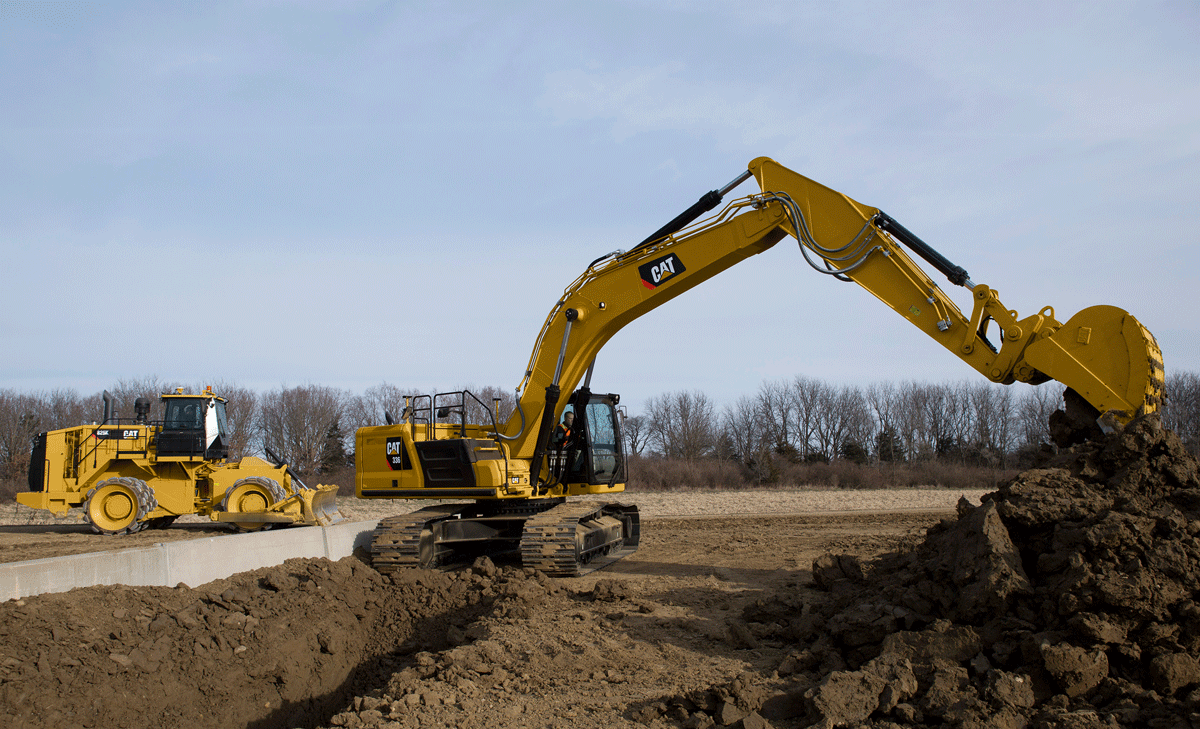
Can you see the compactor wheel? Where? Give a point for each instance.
(252, 495)
(119, 506)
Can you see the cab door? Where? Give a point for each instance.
(599, 457)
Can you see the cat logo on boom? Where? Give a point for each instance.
(659, 270)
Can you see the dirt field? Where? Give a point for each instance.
(1066, 599)
(590, 651)
(34, 534)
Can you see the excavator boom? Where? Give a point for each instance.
(1102, 353)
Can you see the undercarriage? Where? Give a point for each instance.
(558, 537)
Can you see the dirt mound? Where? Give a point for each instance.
(335, 644)
(1067, 599)
(548, 654)
(280, 647)
(319, 643)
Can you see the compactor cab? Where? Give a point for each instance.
(194, 426)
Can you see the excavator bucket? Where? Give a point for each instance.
(320, 506)
(1108, 358)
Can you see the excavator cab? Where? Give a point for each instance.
(593, 453)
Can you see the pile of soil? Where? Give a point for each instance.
(1068, 599)
(319, 643)
(336, 642)
(547, 654)
(280, 647)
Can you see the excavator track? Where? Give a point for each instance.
(396, 542)
(565, 540)
(576, 538)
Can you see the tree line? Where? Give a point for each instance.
(787, 421)
(804, 419)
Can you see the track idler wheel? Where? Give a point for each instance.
(119, 506)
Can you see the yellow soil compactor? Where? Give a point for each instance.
(131, 474)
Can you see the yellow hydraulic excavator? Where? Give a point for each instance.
(519, 473)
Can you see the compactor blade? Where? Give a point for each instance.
(1108, 358)
(320, 506)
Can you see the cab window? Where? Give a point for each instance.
(184, 414)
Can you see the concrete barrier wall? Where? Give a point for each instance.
(192, 562)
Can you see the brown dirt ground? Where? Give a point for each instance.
(27, 534)
(1066, 599)
(319, 643)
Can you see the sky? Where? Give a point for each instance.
(351, 193)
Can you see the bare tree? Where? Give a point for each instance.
(911, 424)
(294, 423)
(1005, 426)
(20, 420)
(991, 419)
(1033, 413)
(742, 426)
(884, 401)
(65, 408)
(498, 405)
(776, 411)
(660, 420)
(843, 414)
(807, 394)
(860, 421)
(1182, 411)
(682, 424)
(373, 406)
(956, 420)
(637, 432)
(127, 391)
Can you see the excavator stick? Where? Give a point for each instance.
(1108, 358)
(1109, 362)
